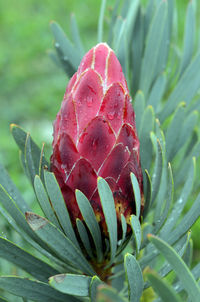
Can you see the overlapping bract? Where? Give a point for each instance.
(95, 135)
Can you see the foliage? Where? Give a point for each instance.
(166, 84)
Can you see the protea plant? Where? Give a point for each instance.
(111, 206)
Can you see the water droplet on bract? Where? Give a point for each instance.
(89, 101)
(111, 115)
(57, 45)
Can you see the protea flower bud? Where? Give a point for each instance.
(95, 135)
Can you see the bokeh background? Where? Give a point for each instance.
(31, 86)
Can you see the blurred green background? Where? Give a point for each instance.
(31, 86)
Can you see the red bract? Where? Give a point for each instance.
(95, 135)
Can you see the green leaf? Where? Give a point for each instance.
(157, 91)
(158, 169)
(164, 290)
(84, 237)
(160, 217)
(77, 285)
(66, 50)
(174, 130)
(95, 282)
(12, 190)
(137, 49)
(18, 256)
(151, 53)
(185, 89)
(91, 222)
(180, 248)
(179, 267)
(147, 125)
(59, 206)
(136, 228)
(189, 37)
(139, 106)
(3, 300)
(187, 221)
(136, 190)
(180, 203)
(101, 19)
(109, 211)
(134, 276)
(194, 151)
(124, 228)
(113, 21)
(108, 294)
(44, 202)
(76, 35)
(33, 290)
(195, 272)
(58, 243)
(148, 191)
(33, 159)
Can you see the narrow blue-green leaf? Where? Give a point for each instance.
(130, 18)
(10, 206)
(189, 36)
(148, 15)
(190, 153)
(58, 243)
(160, 217)
(95, 282)
(18, 256)
(174, 130)
(59, 206)
(147, 125)
(12, 190)
(157, 169)
(195, 272)
(44, 202)
(186, 223)
(185, 89)
(32, 159)
(164, 290)
(124, 227)
(139, 106)
(76, 35)
(148, 192)
(34, 290)
(152, 49)
(187, 257)
(157, 91)
(164, 47)
(135, 278)
(180, 248)
(180, 203)
(31, 152)
(108, 205)
(136, 229)
(68, 50)
(76, 285)
(179, 266)
(84, 237)
(109, 294)
(91, 221)
(137, 49)
(101, 20)
(3, 300)
(187, 128)
(113, 21)
(136, 190)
